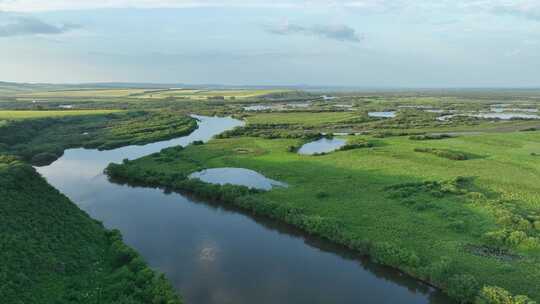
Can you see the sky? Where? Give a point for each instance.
(357, 43)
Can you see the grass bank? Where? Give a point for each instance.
(42, 140)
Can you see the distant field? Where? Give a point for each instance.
(85, 93)
(205, 94)
(14, 115)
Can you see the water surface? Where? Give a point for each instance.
(237, 176)
(323, 145)
(385, 114)
(213, 254)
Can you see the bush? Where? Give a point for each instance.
(453, 155)
(498, 295)
(430, 136)
(463, 288)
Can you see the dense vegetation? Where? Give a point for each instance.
(470, 227)
(52, 252)
(41, 141)
(460, 225)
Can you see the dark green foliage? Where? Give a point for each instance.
(52, 252)
(357, 144)
(463, 288)
(430, 136)
(449, 154)
(43, 158)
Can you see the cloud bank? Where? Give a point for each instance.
(335, 32)
(525, 8)
(21, 26)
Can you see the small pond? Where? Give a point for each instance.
(385, 114)
(505, 116)
(258, 108)
(501, 110)
(323, 145)
(237, 176)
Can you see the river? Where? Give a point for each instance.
(213, 254)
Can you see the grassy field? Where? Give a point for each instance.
(52, 252)
(477, 218)
(303, 118)
(78, 93)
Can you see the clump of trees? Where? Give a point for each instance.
(52, 252)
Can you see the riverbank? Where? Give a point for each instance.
(52, 252)
(414, 211)
(40, 137)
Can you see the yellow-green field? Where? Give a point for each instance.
(15, 115)
(205, 94)
(85, 93)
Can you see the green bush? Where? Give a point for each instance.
(498, 295)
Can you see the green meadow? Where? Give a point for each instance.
(460, 219)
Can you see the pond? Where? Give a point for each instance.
(384, 114)
(506, 116)
(323, 145)
(237, 176)
(213, 254)
(258, 108)
(525, 110)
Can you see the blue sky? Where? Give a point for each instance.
(364, 43)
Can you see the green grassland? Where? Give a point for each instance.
(473, 222)
(303, 118)
(52, 252)
(42, 140)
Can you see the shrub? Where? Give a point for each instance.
(498, 295)
(391, 255)
(321, 195)
(430, 136)
(463, 288)
(453, 155)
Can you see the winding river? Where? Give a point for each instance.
(213, 254)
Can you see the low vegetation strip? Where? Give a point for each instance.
(453, 155)
(41, 141)
(52, 252)
(462, 234)
(16, 115)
